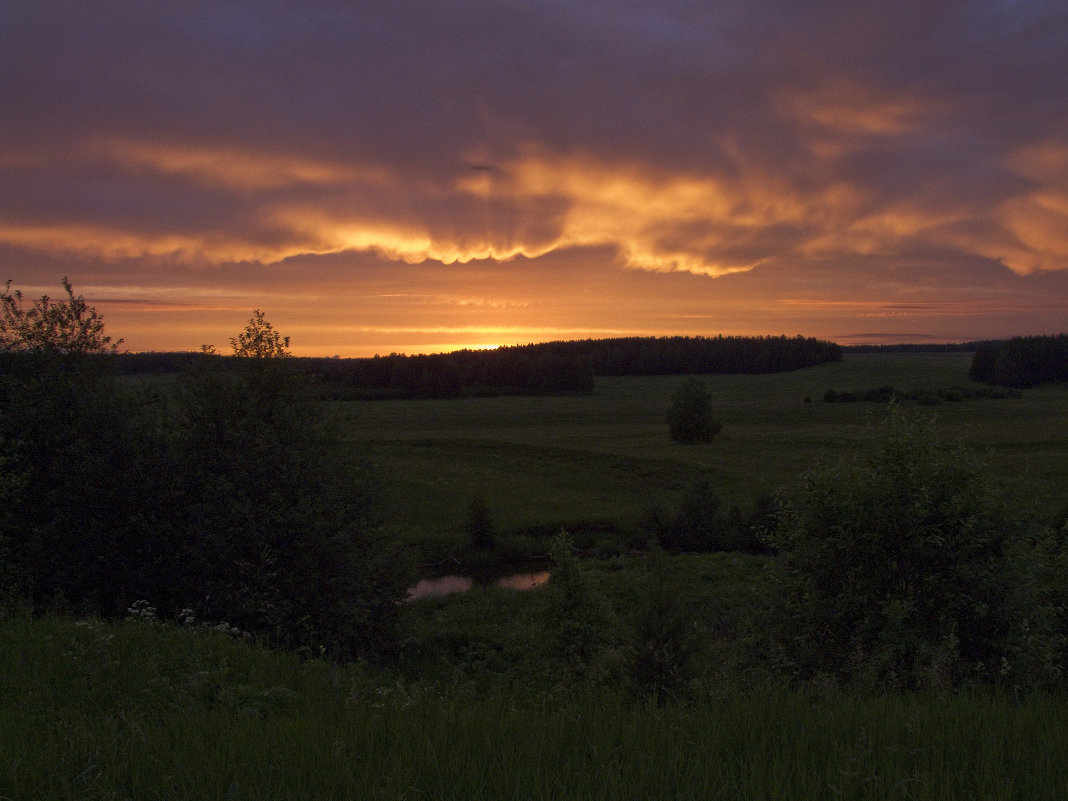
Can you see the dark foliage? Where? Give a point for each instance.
(700, 524)
(662, 641)
(894, 567)
(225, 494)
(1022, 362)
(690, 418)
(548, 368)
(480, 528)
(887, 394)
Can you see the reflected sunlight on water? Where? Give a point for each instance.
(447, 585)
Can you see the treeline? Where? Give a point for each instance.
(914, 347)
(1022, 362)
(539, 369)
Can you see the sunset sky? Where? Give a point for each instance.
(392, 175)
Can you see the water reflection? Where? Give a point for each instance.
(447, 585)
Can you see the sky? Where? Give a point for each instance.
(399, 176)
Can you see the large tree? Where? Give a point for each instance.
(68, 453)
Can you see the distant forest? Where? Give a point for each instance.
(547, 368)
(1022, 362)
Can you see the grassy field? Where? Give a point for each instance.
(143, 711)
(541, 463)
(477, 704)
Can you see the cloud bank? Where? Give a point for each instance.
(825, 155)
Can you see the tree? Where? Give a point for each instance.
(68, 471)
(893, 567)
(67, 326)
(260, 340)
(690, 416)
(278, 530)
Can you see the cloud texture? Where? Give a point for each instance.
(427, 171)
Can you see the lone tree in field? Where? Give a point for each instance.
(690, 416)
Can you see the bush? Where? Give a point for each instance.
(481, 532)
(228, 495)
(690, 416)
(892, 568)
(662, 642)
(581, 627)
(272, 530)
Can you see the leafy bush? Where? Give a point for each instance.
(228, 495)
(581, 627)
(893, 567)
(690, 416)
(274, 532)
(661, 641)
(480, 528)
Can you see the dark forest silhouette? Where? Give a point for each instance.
(546, 368)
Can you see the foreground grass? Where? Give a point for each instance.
(99, 711)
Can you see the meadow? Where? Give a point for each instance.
(476, 703)
(598, 462)
(142, 711)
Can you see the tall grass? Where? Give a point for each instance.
(97, 711)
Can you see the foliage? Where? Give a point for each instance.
(480, 528)
(66, 326)
(690, 416)
(888, 394)
(1022, 361)
(582, 630)
(69, 457)
(224, 491)
(95, 710)
(260, 340)
(894, 570)
(277, 532)
(662, 641)
(1044, 570)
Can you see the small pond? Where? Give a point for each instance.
(447, 585)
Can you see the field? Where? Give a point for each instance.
(602, 460)
(141, 711)
(478, 703)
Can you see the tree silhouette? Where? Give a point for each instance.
(690, 416)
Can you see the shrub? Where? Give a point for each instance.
(662, 642)
(480, 529)
(893, 568)
(690, 416)
(581, 627)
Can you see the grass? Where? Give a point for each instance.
(473, 708)
(541, 463)
(140, 711)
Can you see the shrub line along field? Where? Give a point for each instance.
(542, 463)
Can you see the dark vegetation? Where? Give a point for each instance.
(222, 495)
(541, 369)
(1022, 362)
(690, 417)
(923, 397)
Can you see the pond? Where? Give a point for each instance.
(447, 585)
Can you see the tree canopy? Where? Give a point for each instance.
(47, 325)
